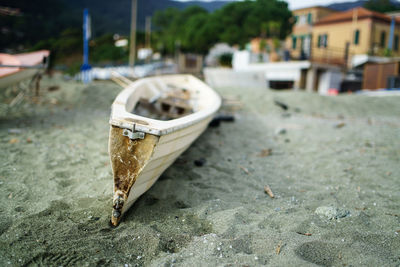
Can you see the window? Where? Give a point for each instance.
(302, 20)
(356, 37)
(323, 40)
(309, 18)
(396, 43)
(383, 39)
(294, 40)
(296, 19)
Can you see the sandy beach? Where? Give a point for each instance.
(332, 163)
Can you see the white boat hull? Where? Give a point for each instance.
(19, 67)
(17, 77)
(168, 149)
(138, 163)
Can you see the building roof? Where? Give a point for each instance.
(393, 13)
(313, 7)
(348, 15)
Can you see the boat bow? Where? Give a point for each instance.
(128, 158)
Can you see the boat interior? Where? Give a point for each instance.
(162, 99)
(162, 104)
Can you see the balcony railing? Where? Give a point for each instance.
(331, 55)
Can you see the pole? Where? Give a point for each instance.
(85, 38)
(148, 37)
(392, 24)
(148, 32)
(85, 68)
(346, 54)
(132, 46)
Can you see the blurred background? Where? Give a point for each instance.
(186, 36)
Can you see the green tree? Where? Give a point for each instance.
(197, 30)
(380, 5)
(172, 23)
(103, 50)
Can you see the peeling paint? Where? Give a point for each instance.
(128, 159)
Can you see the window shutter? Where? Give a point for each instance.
(356, 37)
(309, 18)
(383, 39)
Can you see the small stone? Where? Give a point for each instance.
(331, 212)
(200, 162)
(13, 141)
(340, 125)
(280, 131)
(281, 104)
(368, 144)
(14, 131)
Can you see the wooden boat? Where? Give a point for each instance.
(141, 147)
(16, 68)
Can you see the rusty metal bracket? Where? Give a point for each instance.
(133, 135)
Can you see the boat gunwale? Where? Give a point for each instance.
(120, 116)
(20, 68)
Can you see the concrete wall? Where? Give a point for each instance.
(342, 32)
(305, 29)
(376, 37)
(329, 80)
(273, 71)
(190, 63)
(322, 77)
(225, 77)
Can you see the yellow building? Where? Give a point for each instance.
(301, 37)
(357, 31)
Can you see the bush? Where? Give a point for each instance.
(226, 60)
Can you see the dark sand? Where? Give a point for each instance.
(338, 152)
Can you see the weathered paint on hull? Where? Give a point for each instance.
(128, 158)
(137, 164)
